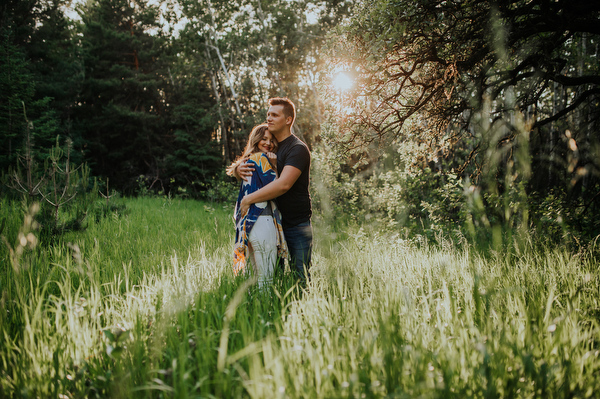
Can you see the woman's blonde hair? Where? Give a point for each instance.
(254, 138)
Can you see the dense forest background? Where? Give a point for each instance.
(475, 118)
(141, 91)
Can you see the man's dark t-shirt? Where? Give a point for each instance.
(295, 204)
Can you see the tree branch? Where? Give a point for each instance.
(565, 111)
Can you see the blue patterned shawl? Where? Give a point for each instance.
(263, 174)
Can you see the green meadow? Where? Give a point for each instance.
(143, 304)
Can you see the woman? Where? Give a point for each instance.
(258, 233)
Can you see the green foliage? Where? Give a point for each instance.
(67, 193)
(194, 156)
(221, 190)
(250, 51)
(478, 91)
(57, 67)
(392, 199)
(557, 221)
(16, 88)
(397, 193)
(42, 75)
(138, 98)
(121, 106)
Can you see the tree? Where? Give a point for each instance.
(442, 58)
(122, 103)
(480, 82)
(16, 89)
(58, 71)
(251, 50)
(36, 70)
(195, 156)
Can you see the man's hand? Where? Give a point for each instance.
(244, 170)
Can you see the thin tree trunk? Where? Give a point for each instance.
(233, 93)
(225, 71)
(224, 138)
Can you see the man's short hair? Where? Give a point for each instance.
(289, 109)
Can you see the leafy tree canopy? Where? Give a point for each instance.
(443, 60)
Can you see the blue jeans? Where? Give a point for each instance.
(299, 242)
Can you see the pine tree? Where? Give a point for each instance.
(58, 76)
(16, 90)
(122, 101)
(37, 72)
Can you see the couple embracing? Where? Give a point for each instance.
(273, 209)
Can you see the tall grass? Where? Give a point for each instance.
(144, 305)
(386, 319)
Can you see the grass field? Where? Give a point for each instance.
(143, 304)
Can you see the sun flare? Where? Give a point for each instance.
(342, 81)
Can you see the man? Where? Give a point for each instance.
(291, 188)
